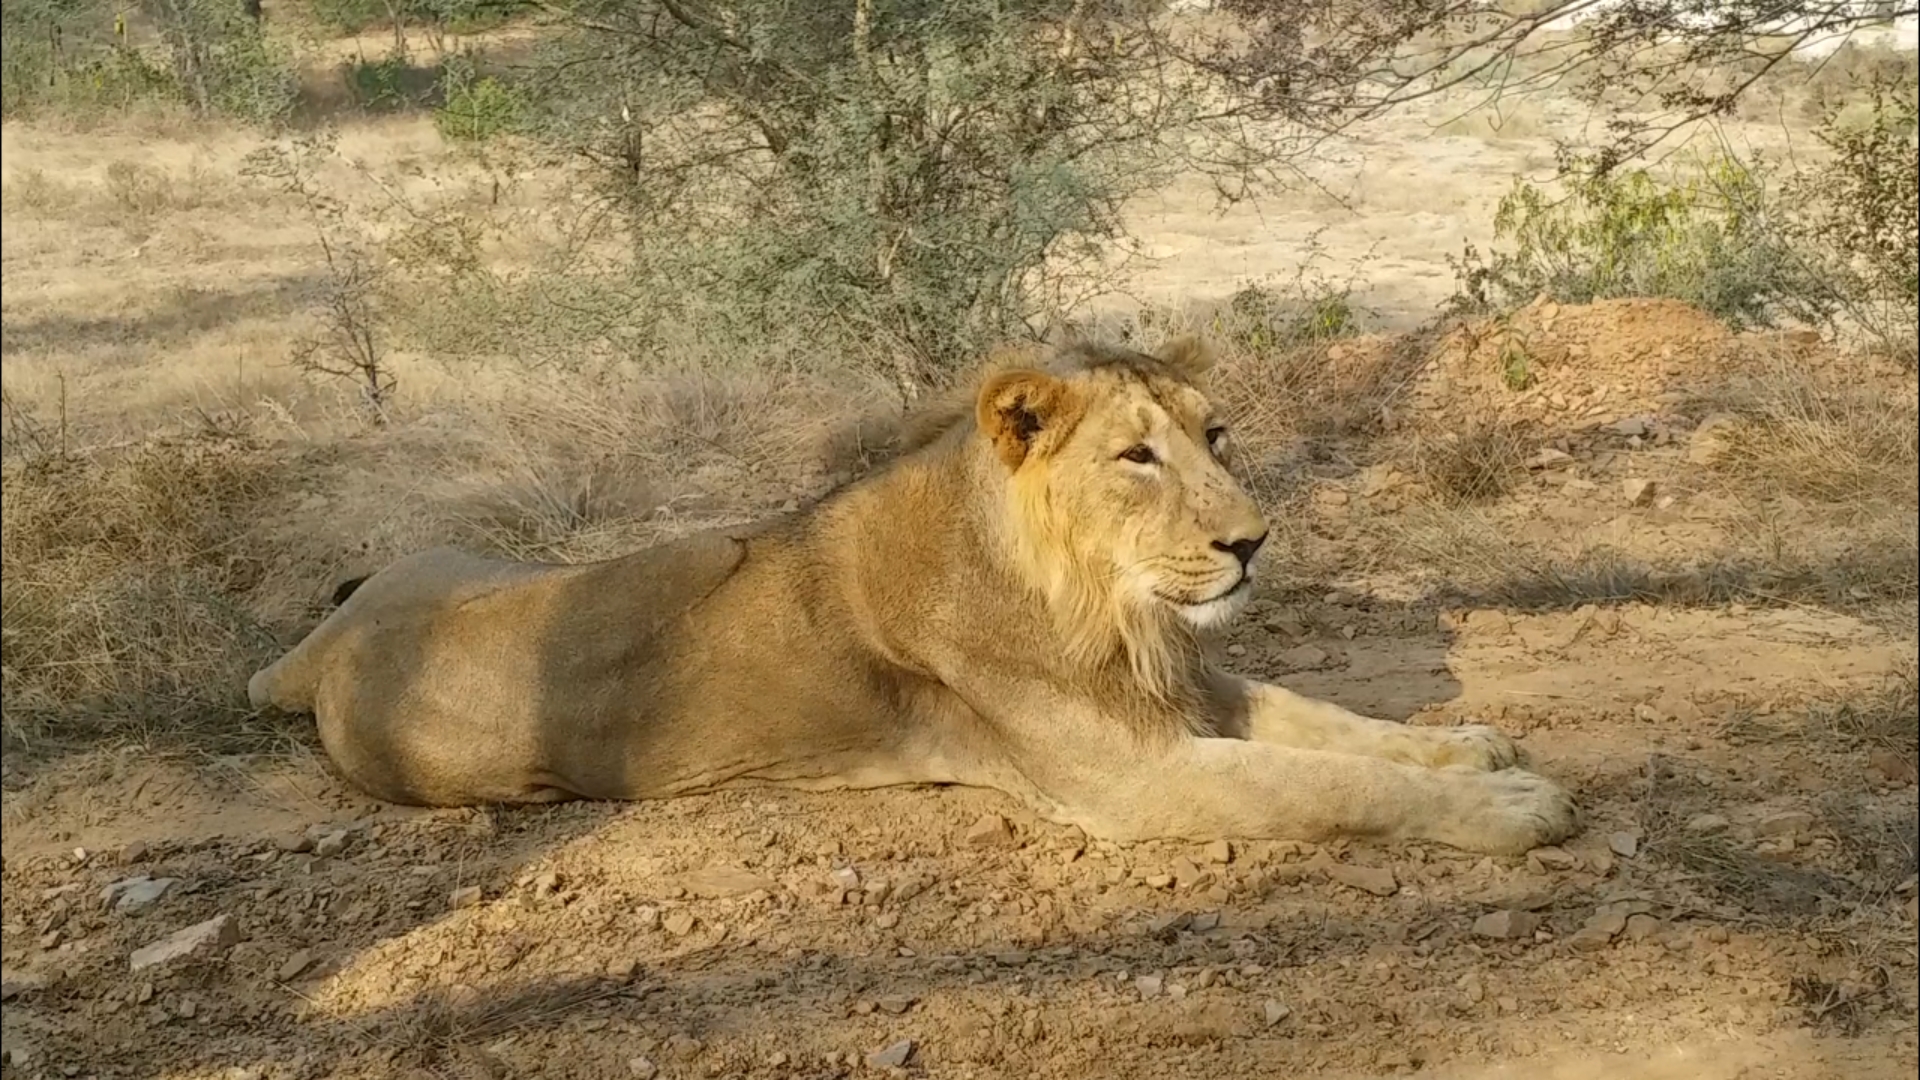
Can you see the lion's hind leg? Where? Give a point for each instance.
(1272, 714)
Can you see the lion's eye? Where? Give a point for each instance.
(1139, 455)
(1215, 435)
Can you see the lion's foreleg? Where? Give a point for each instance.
(1276, 715)
(1214, 788)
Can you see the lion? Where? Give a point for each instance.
(1023, 598)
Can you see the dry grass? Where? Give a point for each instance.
(1478, 465)
(128, 578)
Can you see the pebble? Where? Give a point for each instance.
(296, 965)
(715, 882)
(894, 1056)
(991, 831)
(1706, 824)
(196, 940)
(1598, 932)
(464, 897)
(1786, 823)
(1624, 844)
(295, 844)
(1638, 491)
(1275, 1012)
(333, 843)
(133, 852)
(1378, 881)
(135, 893)
(678, 923)
(1506, 925)
(1220, 851)
(895, 1004)
(641, 1069)
(1149, 986)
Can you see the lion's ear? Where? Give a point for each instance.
(1189, 355)
(1014, 407)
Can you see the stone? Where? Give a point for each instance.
(1303, 658)
(1706, 824)
(333, 843)
(678, 923)
(894, 1056)
(1624, 844)
(1553, 858)
(1506, 925)
(1549, 458)
(1638, 491)
(1643, 927)
(1377, 881)
(13, 986)
(1598, 932)
(135, 893)
(464, 897)
(295, 966)
(1149, 986)
(1205, 921)
(715, 882)
(1274, 1012)
(295, 843)
(545, 885)
(133, 852)
(887, 920)
(1786, 823)
(991, 831)
(895, 1004)
(642, 1069)
(198, 940)
(1220, 851)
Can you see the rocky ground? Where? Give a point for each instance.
(1741, 903)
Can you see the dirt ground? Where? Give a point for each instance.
(1740, 904)
(1679, 565)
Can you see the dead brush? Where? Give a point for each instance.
(129, 575)
(1824, 438)
(1480, 464)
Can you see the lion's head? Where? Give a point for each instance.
(1122, 509)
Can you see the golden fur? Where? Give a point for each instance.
(1017, 599)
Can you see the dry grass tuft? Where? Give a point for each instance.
(129, 574)
(1825, 438)
(1478, 465)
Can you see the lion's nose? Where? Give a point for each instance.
(1244, 550)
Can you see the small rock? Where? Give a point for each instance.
(678, 923)
(1624, 844)
(685, 1047)
(464, 897)
(646, 917)
(1598, 932)
(1638, 491)
(887, 920)
(1303, 658)
(1149, 986)
(846, 878)
(333, 843)
(1158, 881)
(13, 986)
(715, 882)
(133, 852)
(545, 885)
(1891, 768)
(1220, 851)
(1172, 921)
(295, 844)
(1506, 925)
(1275, 1012)
(1786, 823)
(1632, 426)
(295, 966)
(197, 940)
(1706, 824)
(1549, 458)
(991, 831)
(1717, 934)
(1643, 927)
(895, 1004)
(1205, 921)
(1375, 880)
(135, 893)
(894, 1056)
(1553, 858)
(641, 1069)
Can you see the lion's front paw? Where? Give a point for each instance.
(1503, 813)
(1474, 746)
